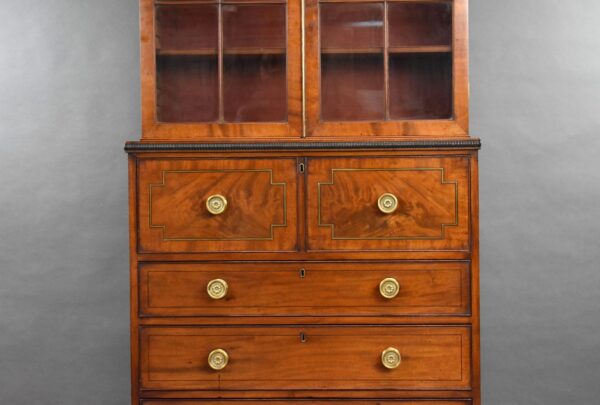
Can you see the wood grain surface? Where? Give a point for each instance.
(302, 243)
(304, 289)
(305, 358)
(433, 204)
(306, 401)
(260, 214)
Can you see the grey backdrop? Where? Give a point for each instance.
(69, 98)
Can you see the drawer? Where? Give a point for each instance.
(389, 204)
(274, 358)
(204, 205)
(304, 289)
(310, 401)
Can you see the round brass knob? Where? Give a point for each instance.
(389, 288)
(391, 358)
(218, 359)
(387, 203)
(217, 289)
(216, 204)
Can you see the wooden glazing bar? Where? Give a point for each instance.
(386, 63)
(221, 62)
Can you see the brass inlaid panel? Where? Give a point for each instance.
(424, 195)
(217, 205)
(164, 228)
(408, 203)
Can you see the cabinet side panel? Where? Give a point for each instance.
(475, 301)
(133, 281)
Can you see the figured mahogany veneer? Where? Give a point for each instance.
(433, 204)
(304, 205)
(304, 289)
(301, 274)
(305, 358)
(302, 402)
(261, 205)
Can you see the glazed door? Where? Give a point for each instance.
(386, 68)
(221, 69)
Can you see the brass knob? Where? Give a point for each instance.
(218, 359)
(391, 358)
(389, 288)
(387, 203)
(216, 204)
(217, 288)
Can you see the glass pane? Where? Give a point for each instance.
(187, 88)
(352, 69)
(187, 74)
(351, 26)
(187, 27)
(254, 88)
(254, 26)
(420, 24)
(254, 64)
(352, 87)
(420, 86)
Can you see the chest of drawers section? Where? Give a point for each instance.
(304, 276)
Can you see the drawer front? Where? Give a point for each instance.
(304, 289)
(393, 204)
(305, 358)
(203, 205)
(310, 401)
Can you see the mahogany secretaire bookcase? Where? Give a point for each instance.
(304, 205)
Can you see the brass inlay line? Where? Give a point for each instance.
(442, 226)
(272, 183)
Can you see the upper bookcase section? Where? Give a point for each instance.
(240, 70)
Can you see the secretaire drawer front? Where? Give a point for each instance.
(389, 204)
(304, 289)
(201, 205)
(305, 358)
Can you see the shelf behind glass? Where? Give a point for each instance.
(187, 89)
(352, 87)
